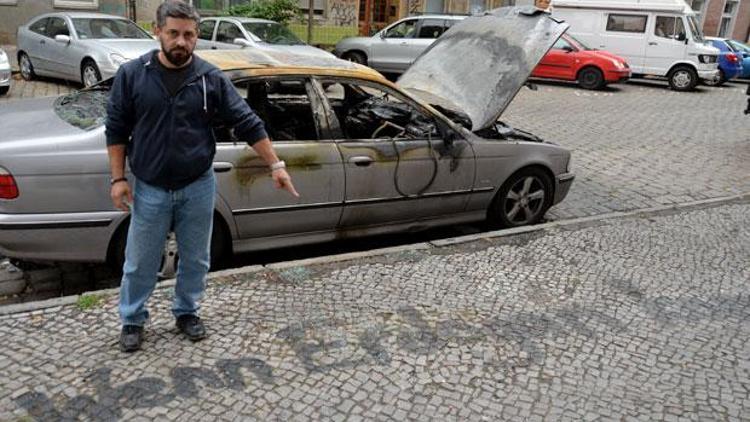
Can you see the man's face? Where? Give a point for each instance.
(542, 4)
(178, 38)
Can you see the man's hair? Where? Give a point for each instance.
(175, 9)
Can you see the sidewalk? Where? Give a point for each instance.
(644, 316)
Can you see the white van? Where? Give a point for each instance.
(657, 37)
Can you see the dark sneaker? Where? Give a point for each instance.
(131, 338)
(192, 327)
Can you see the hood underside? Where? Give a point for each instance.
(478, 66)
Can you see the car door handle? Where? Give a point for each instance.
(222, 167)
(361, 160)
(653, 43)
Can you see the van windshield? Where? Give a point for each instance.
(695, 29)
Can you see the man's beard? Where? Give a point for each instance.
(178, 56)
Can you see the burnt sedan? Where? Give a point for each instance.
(368, 156)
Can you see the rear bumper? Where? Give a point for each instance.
(710, 75)
(562, 186)
(81, 237)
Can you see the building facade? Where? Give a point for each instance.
(724, 18)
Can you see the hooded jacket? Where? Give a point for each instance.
(170, 139)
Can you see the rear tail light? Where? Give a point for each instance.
(732, 57)
(8, 187)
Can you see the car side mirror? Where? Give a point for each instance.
(567, 49)
(65, 39)
(243, 42)
(381, 34)
(680, 37)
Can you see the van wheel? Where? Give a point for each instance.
(356, 57)
(683, 78)
(523, 199)
(591, 78)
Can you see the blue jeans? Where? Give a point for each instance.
(190, 212)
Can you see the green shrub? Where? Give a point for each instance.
(281, 11)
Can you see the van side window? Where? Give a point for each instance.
(626, 23)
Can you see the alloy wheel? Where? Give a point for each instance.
(525, 200)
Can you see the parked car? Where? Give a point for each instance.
(79, 46)
(659, 38)
(394, 48)
(571, 60)
(730, 62)
(236, 32)
(742, 50)
(367, 156)
(5, 72)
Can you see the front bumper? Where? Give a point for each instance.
(5, 75)
(562, 186)
(709, 75)
(80, 237)
(613, 76)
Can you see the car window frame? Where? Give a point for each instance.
(313, 96)
(401, 22)
(213, 29)
(421, 24)
(441, 122)
(227, 22)
(31, 26)
(50, 19)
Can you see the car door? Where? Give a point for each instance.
(558, 63)
(666, 44)
(60, 55)
(625, 35)
(397, 46)
(399, 167)
(226, 33)
(206, 34)
(293, 122)
(35, 45)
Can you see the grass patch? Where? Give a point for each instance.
(327, 35)
(86, 302)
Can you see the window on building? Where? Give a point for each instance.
(626, 23)
(77, 4)
(318, 6)
(727, 18)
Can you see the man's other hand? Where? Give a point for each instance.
(121, 195)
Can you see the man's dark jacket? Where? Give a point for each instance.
(170, 140)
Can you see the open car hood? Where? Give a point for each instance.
(478, 66)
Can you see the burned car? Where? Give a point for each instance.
(368, 156)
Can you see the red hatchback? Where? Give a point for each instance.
(571, 60)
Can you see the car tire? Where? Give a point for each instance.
(25, 66)
(683, 78)
(355, 57)
(220, 250)
(523, 199)
(721, 81)
(90, 73)
(4, 90)
(591, 78)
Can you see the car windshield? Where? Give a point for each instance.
(695, 29)
(102, 28)
(577, 42)
(272, 33)
(85, 109)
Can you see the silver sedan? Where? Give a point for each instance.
(368, 156)
(5, 72)
(79, 46)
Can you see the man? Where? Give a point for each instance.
(543, 5)
(161, 111)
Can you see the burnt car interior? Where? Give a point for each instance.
(284, 106)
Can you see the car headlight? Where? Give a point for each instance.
(618, 64)
(569, 167)
(3, 58)
(707, 58)
(117, 59)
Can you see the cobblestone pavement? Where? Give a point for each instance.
(640, 318)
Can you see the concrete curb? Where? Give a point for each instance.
(69, 300)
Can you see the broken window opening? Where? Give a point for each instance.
(85, 109)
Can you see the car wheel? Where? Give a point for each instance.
(356, 57)
(90, 74)
(27, 69)
(718, 82)
(523, 199)
(4, 90)
(591, 78)
(683, 79)
(220, 250)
